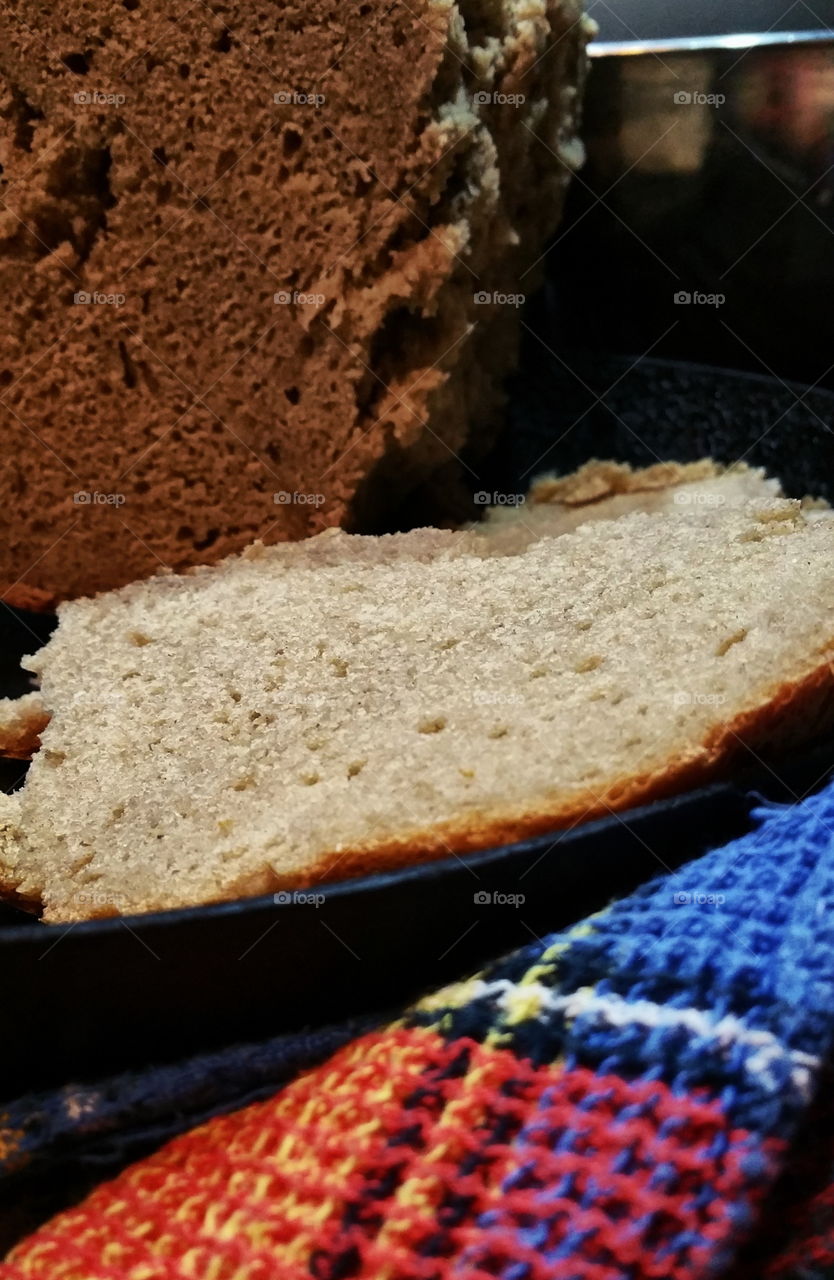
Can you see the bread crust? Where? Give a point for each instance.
(780, 714)
(22, 721)
(794, 714)
(598, 479)
(20, 595)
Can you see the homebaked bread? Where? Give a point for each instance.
(281, 222)
(597, 491)
(299, 714)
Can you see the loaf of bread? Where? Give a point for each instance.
(260, 267)
(304, 713)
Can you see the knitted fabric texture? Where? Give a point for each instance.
(623, 1100)
(56, 1146)
(96, 1123)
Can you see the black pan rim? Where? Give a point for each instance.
(377, 881)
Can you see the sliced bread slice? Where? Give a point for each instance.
(597, 491)
(298, 715)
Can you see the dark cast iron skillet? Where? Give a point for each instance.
(84, 1000)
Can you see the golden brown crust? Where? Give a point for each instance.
(35, 599)
(793, 714)
(780, 715)
(22, 721)
(603, 479)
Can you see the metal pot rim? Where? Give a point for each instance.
(700, 44)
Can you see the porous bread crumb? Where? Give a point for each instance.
(482, 696)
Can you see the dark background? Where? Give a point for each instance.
(667, 19)
(753, 221)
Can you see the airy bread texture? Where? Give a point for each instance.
(597, 491)
(253, 262)
(301, 714)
